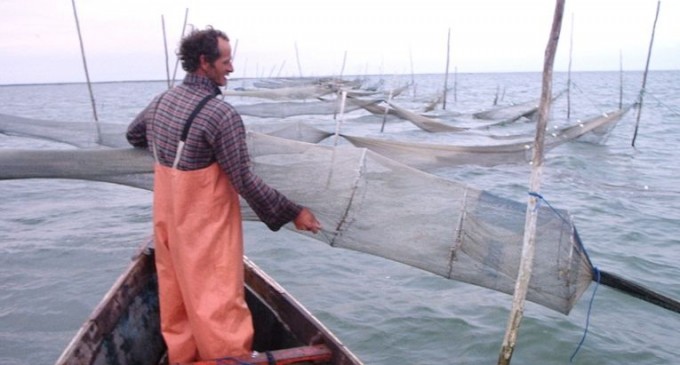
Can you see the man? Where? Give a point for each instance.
(202, 164)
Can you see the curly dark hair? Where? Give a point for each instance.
(197, 43)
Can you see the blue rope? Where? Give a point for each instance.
(540, 197)
(596, 271)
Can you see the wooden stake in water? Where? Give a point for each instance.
(413, 79)
(233, 53)
(528, 247)
(165, 46)
(571, 48)
(387, 110)
(446, 75)
(344, 61)
(644, 77)
(184, 28)
(87, 75)
(283, 63)
(338, 124)
(297, 56)
(620, 79)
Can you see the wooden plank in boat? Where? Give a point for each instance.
(304, 354)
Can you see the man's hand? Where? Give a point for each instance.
(306, 221)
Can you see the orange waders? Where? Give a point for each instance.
(199, 259)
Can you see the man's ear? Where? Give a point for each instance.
(203, 64)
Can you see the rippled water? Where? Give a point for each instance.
(63, 243)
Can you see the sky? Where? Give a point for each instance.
(124, 39)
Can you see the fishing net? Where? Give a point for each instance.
(457, 122)
(493, 151)
(287, 109)
(285, 93)
(369, 203)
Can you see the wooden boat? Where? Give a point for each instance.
(125, 326)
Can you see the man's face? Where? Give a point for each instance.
(222, 67)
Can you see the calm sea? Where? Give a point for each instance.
(63, 243)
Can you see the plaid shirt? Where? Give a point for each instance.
(216, 135)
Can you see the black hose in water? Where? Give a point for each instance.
(638, 291)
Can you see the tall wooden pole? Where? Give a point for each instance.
(446, 75)
(87, 75)
(338, 124)
(413, 79)
(571, 48)
(644, 77)
(620, 79)
(387, 111)
(165, 47)
(297, 56)
(184, 28)
(344, 61)
(233, 53)
(528, 247)
(281, 68)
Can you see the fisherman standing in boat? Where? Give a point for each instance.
(202, 165)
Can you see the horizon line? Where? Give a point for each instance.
(321, 77)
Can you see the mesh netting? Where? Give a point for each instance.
(365, 202)
(375, 205)
(457, 122)
(284, 93)
(509, 149)
(294, 108)
(369, 203)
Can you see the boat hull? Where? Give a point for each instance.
(125, 326)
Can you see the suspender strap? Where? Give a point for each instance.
(193, 115)
(187, 125)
